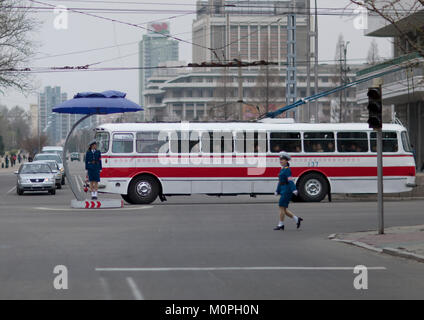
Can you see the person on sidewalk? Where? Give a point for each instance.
(286, 188)
(93, 165)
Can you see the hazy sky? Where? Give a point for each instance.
(86, 33)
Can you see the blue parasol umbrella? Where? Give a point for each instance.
(98, 103)
(90, 103)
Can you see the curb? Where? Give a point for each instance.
(403, 254)
(390, 251)
(356, 243)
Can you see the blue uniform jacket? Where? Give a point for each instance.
(93, 161)
(285, 181)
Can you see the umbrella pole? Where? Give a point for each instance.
(71, 182)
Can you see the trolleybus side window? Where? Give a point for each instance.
(102, 139)
(352, 142)
(122, 143)
(390, 142)
(185, 142)
(405, 141)
(149, 142)
(217, 142)
(285, 141)
(319, 142)
(251, 142)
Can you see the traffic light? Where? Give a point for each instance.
(375, 108)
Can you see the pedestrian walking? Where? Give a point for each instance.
(19, 158)
(93, 165)
(286, 188)
(7, 161)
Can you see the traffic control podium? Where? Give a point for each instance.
(97, 204)
(88, 104)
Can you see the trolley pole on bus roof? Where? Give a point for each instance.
(375, 121)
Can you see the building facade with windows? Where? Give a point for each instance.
(404, 87)
(212, 95)
(155, 48)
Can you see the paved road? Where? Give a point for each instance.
(195, 248)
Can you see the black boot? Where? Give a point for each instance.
(299, 220)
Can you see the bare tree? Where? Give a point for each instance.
(337, 79)
(16, 45)
(393, 12)
(19, 124)
(373, 57)
(31, 144)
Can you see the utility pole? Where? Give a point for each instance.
(343, 77)
(240, 90)
(316, 61)
(291, 76)
(307, 117)
(346, 80)
(227, 57)
(267, 88)
(341, 83)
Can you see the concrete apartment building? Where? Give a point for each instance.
(196, 95)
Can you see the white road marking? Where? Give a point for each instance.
(11, 190)
(135, 291)
(233, 268)
(106, 288)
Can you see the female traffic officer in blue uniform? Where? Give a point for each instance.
(286, 188)
(93, 165)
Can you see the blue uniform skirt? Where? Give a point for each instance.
(93, 175)
(285, 197)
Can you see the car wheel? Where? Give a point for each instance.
(312, 187)
(59, 186)
(52, 192)
(19, 191)
(143, 190)
(63, 181)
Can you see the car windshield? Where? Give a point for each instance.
(35, 168)
(55, 157)
(52, 165)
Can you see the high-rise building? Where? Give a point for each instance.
(155, 48)
(57, 125)
(50, 123)
(252, 30)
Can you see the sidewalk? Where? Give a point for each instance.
(406, 242)
(10, 169)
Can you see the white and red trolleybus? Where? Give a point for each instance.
(142, 161)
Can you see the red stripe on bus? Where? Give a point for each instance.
(255, 156)
(234, 172)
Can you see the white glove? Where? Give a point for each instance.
(295, 192)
